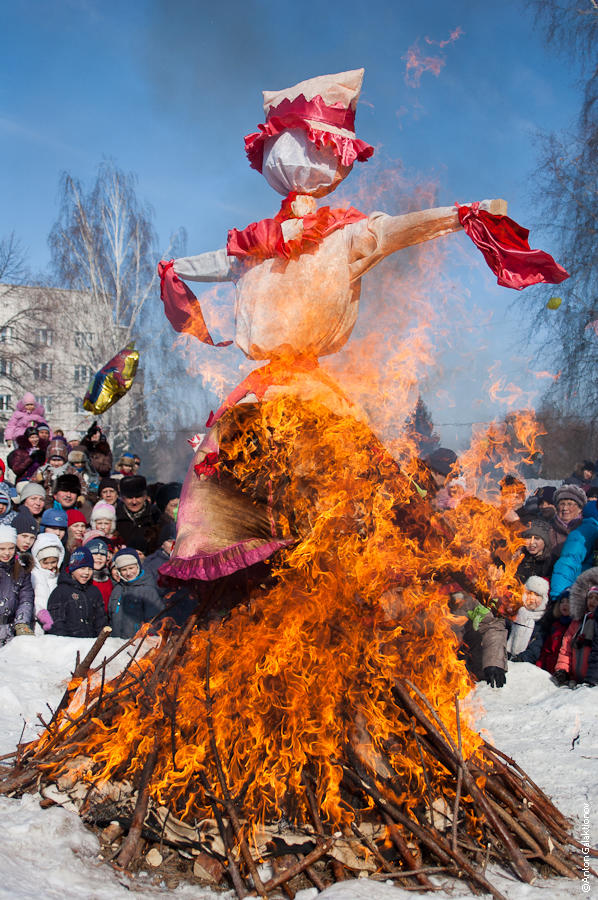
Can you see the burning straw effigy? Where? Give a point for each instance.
(315, 732)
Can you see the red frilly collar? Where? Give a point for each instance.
(265, 240)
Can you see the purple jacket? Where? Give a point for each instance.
(21, 419)
(16, 599)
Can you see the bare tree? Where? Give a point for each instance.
(104, 244)
(13, 261)
(567, 179)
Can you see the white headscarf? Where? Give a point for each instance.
(293, 163)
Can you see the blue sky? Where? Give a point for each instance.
(169, 89)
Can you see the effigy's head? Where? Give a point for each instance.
(308, 143)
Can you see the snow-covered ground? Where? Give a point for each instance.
(50, 854)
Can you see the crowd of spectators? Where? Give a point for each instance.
(81, 539)
(554, 627)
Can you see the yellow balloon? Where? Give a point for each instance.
(554, 303)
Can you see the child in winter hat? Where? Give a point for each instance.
(128, 563)
(48, 554)
(578, 657)
(75, 605)
(534, 601)
(98, 547)
(103, 517)
(54, 521)
(27, 530)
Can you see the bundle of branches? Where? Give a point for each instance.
(471, 811)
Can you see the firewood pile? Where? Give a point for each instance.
(472, 811)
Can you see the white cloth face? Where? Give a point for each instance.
(293, 163)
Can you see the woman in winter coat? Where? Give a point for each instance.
(28, 412)
(577, 553)
(578, 658)
(16, 590)
(528, 619)
(75, 605)
(48, 553)
(135, 599)
(560, 619)
(536, 555)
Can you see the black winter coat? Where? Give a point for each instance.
(77, 609)
(132, 603)
(16, 599)
(138, 528)
(534, 565)
(152, 563)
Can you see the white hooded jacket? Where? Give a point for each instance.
(43, 580)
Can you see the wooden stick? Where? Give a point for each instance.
(230, 806)
(130, 845)
(459, 776)
(81, 668)
(497, 829)
(338, 870)
(288, 890)
(315, 878)
(434, 843)
(404, 851)
(312, 857)
(238, 883)
(372, 848)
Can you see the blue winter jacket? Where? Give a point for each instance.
(577, 554)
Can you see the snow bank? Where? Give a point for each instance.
(552, 733)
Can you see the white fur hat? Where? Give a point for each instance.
(538, 585)
(8, 534)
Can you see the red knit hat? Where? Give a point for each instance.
(75, 515)
(324, 107)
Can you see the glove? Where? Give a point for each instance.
(495, 676)
(22, 628)
(560, 677)
(45, 619)
(477, 615)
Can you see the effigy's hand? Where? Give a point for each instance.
(496, 207)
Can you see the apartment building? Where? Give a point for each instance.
(51, 343)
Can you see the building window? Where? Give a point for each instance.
(42, 371)
(83, 339)
(82, 374)
(78, 407)
(5, 366)
(45, 337)
(5, 403)
(7, 334)
(46, 402)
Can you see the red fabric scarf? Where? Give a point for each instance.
(264, 240)
(505, 248)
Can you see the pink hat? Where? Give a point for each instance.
(324, 107)
(91, 534)
(103, 510)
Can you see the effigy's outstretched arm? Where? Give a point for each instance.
(215, 265)
(386, 234)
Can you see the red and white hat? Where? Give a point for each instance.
(324, 107)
